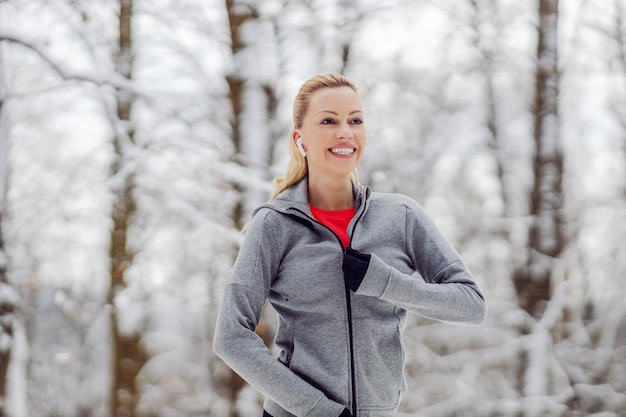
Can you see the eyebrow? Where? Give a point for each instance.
(337, 114)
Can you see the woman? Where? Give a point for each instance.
(337, 262)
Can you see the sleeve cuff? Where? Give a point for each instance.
(376, 278)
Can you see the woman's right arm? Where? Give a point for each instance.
(235, 340)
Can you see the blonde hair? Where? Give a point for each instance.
(297, 167)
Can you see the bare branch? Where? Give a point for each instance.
(112, 80)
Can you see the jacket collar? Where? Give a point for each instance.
(296, 197)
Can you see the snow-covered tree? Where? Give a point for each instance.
(8, 296)
(546, 237)
(129, 355)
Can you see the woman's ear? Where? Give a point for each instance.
(301, 147)
(297, 138)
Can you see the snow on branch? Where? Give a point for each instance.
(112, 79)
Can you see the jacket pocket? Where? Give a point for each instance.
(380, 362)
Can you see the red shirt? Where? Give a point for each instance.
(335, 220)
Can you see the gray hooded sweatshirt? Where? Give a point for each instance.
(337, 348)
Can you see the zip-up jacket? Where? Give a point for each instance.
(338, 348)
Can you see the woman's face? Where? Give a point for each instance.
(333, 132)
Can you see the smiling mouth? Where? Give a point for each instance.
(342, 151)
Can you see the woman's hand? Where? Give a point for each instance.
(355, 265)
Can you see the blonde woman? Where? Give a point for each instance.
(338, 263)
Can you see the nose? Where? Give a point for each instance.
(345, 132)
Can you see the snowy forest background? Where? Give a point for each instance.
(136, 136)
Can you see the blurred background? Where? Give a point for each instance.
(136, 136)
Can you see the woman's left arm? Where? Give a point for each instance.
(447, 292)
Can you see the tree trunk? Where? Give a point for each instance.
(8, 297)
(546, 238)
(7, 309)
(128, 356)
(249, 93)
(238, 14)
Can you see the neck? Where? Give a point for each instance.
(331, 194)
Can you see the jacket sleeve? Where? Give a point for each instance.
(446, 293)
(236, 342)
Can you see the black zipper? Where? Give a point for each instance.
(348, 307)
(351, 336)
(350, 330)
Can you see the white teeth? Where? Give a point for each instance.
(342, 151)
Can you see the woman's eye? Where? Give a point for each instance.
(328, 121)
(357, 121)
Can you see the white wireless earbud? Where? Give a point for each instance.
(300, 147)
